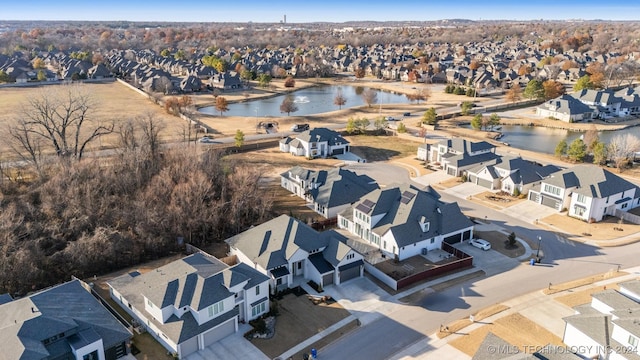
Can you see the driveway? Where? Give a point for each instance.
(433, 178)
(232, 347)
(464, 190)
(491, 261)
(528, 211)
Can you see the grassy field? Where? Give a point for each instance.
(113, 102)
(381, 148)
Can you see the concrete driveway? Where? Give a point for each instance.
(464, 190)
(433, 178)
(232, 347)
(529, 211)
(491, 261)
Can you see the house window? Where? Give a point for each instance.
(551, 189)
(258, 290)
(279, 281)
(149, 303)
(258, 309)
(579, 210)
(433, 240)
(581, 199)
(633, 341)
(216, 308)
(624, 205)
(91, 356)
(384, 244)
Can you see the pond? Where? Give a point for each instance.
(313, 100)
(541, 139)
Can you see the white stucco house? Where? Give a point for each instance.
(607, 328)
(193, 302)
(288, 251)
(317, 142)
(328, 192)
(402, 221)
(588, 192)
(456, 155)
(510, 174)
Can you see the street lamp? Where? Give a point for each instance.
(538, 252)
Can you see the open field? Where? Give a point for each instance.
(113, 102)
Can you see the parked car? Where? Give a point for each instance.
(205, 140)
(390, 118)
(480, 244)
(300, 127)
(406, 114)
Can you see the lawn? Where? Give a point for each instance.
(381, 148)
(514, 329)
(298, 320)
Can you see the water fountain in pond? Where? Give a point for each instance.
(301, 100)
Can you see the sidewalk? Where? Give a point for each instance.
(535, 305)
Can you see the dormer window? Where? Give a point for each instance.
(424, 224)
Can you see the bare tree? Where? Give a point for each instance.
(423, 94)
(370, 97)
(288, 106)
(590, 137)
(622, 148)
(62, 118)
(339, 99)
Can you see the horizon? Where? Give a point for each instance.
(331, 11)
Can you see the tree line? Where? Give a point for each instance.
(65, 214)
(620, 150)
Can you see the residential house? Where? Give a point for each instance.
(289, 251)
(608, 327)
(63, 322)
(317, 142)
(229, 80)
(423, 151)
(193, 302)
(457, 155)
(402, 221)
(566, 108)
(588, 192)
(329, 191)
(592, 104)
(510, 174)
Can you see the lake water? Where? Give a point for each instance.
(314, 100)
(544, 140)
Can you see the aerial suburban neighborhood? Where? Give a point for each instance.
(401, 187)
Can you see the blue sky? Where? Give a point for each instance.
(325, 10)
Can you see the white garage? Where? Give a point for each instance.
(219, 332)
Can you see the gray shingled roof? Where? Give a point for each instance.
(632, 286)
(465, 159)
(614, 299)
(25, 323)
(196, 280)
(590, 180)
(592, 325)
(340, 187)
(270, 244)
(568, 104)
(402, 216)
(461, 145)
(321, 135)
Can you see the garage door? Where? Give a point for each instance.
(327, 279)
(220, 332)
(189, 347)
(349, 274)
(485, 183)
(472, 178)
(338, 151)
(453, 239)
(550, 202)
(451, 171)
